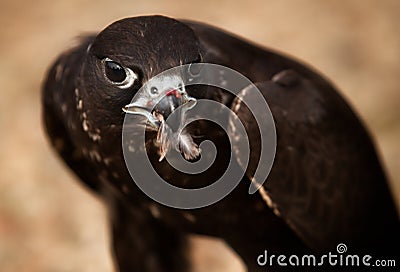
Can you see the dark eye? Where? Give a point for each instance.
(114, 71)
(118, 75)
(194, 68)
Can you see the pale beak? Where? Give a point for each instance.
(138, 109)
(171, 100)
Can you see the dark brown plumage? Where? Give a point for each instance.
(326, 185)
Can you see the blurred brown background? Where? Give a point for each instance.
(50, 223)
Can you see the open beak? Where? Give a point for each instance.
(139, 109)
(157, 109)
(163, 101)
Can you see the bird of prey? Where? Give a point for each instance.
(326, 185)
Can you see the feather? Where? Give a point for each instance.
(163, 140)
(187, 146)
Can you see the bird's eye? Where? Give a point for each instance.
(114, 71)
(118, 75)
(194, 69)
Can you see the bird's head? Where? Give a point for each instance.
(122, 59)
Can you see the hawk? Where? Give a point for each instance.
(326, 185)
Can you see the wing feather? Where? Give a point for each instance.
(326, 181)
